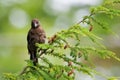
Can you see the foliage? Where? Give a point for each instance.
(66, 46)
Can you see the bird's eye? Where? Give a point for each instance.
(37, 22)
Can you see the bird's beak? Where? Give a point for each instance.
(35, 24)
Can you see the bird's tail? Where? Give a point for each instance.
(34, 58)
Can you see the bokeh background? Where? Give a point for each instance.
(54, 15)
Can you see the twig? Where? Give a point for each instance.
(24, 70)
(84, 19)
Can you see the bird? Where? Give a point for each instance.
(36, 34)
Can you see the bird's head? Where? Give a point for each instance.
(35, 23)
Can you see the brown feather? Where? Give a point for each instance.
(35, 35)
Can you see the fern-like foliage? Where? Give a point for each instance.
(66, 47)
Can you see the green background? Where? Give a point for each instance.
(54, 15)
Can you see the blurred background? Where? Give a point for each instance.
(54, 15)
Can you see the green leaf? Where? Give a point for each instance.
(112, 78)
